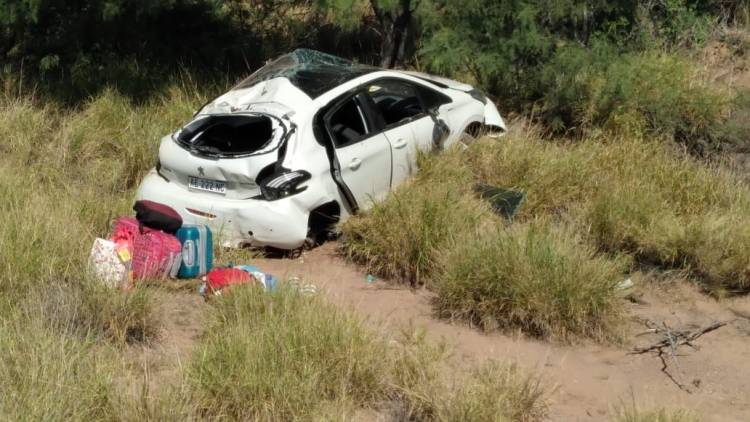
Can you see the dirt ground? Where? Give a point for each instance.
(590, 379)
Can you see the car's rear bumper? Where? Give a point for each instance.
(280, 224)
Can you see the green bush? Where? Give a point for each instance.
(587, 89)
(285, 356)
(48, 376)
(400, 238)
(632, 196)
(532, 277)
(290, 356)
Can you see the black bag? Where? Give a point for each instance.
(157, 216)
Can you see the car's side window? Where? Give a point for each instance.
(397, 101)
(347, 123)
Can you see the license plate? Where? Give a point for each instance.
(206, 185)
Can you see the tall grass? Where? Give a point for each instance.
(287, 356)
(591, 207)
(400, 237)
(632, 413)
(64, 175)
(48, 376)
(534, 277)
(634, 196)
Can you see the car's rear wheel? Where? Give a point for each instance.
(322, 224)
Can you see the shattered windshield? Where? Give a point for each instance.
(311, 71)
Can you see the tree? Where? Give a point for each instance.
(397, 23)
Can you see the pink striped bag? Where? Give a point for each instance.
(156, 255)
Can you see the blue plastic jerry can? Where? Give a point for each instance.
(197, 250)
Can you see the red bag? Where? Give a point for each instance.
(157, 216)
(156, 255)
(124, 232)
(221, 278)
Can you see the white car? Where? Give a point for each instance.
(306, 141)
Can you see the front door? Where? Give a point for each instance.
(400, 108)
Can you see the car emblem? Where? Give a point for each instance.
(200, 171)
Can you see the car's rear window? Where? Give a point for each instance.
(229, 135)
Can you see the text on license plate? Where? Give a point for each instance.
(207, 185)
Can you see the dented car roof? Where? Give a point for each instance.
(312, 72)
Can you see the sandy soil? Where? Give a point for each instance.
(591, 378)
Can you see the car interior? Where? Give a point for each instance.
(348, 124)
(395, 101)
(229, 134)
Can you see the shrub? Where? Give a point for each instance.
(533, 277)
(399, 238)
(660, 93)
(495, 392)
(285, 356)
(632, 196)
(306, 359)
(46, 376)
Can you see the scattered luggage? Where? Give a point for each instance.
(197, 251)
(219, 280)
(124, 232)
(268, 281)
(156, 255)
(157, 216)
(106, 264)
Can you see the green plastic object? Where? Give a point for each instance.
(504, 202)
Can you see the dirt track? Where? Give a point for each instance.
(591, 379)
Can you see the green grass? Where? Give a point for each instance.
(48, 376)
(64, 175)
(399, 238)
(592, 207)
(631, 413)
(284, 356)
(633, 196)
(308, 360)
(534, 277)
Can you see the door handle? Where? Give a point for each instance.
(355, 163)
(399, 144)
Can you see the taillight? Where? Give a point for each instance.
(281, 185)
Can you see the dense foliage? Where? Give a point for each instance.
(573, 64)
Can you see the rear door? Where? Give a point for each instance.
(364, 155)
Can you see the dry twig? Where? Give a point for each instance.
(669, 343)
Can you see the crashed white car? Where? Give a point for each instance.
(306, 141)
